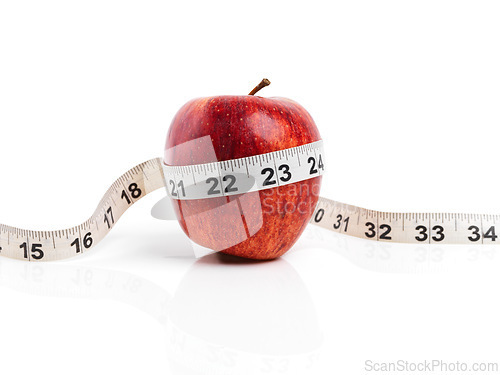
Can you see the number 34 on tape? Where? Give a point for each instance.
(433, 228)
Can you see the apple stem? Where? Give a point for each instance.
(265, 82)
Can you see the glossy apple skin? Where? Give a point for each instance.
(242, 126)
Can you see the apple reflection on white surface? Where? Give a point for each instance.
(228, 316)
(243, 317)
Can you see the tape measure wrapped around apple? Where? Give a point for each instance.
(244, 176)
(261, 224)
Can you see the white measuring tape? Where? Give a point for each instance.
(60, 244)
(240, 176)
(244, 175)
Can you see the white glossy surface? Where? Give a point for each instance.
(406, 97)
(327, 306)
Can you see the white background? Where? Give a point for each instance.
(406, 97)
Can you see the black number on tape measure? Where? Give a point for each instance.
(180, 187)
(106, 219)
(338, 223)
(36, 250)
(287, 175)
(371, 230)
(312, 161)
(25, 247)
(439, 233)
(213, 189)
(76, 243)
(134, 191)
(387, 228)
(372, 233)
(232, 180)
(346, 222)
(423, 233)
(172, 193)
(424, 236)
(319, 215)
(320, 163)
(87, 242)
(285, 168)
(125, 196)
(476, 236)
(490, 233)
(268, 181)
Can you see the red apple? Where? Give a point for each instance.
(257, 225)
